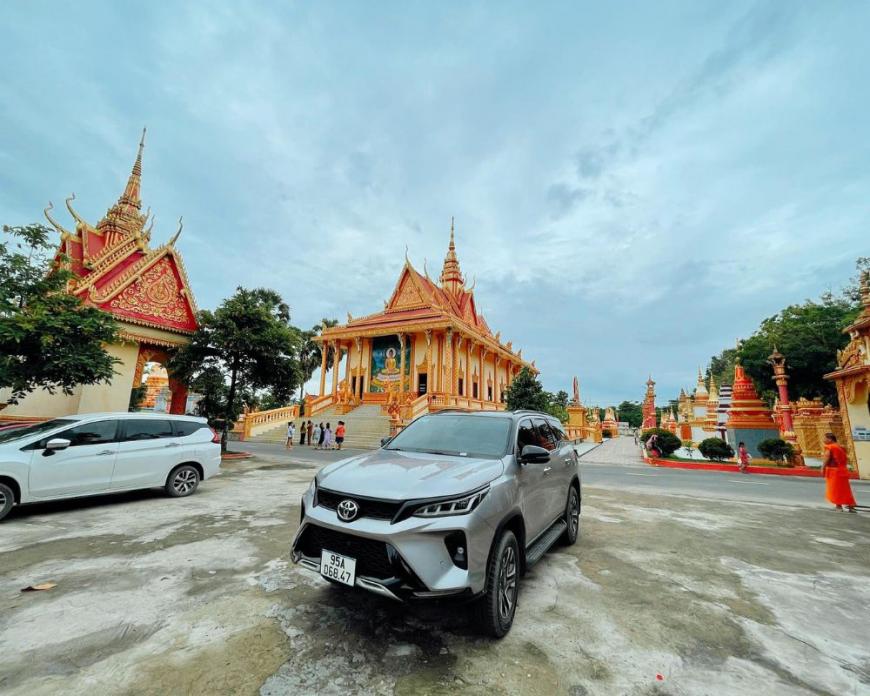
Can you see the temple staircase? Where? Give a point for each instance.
(365, 425)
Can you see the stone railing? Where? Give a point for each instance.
(438, 401)
(255, 422)
(316, 404)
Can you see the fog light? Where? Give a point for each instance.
(455, 543)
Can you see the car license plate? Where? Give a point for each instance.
(336, 567)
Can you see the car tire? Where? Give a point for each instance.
(572, 517)
(495, 610)
(182, 481)
(7, 500)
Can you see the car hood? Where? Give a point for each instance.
(392, 475)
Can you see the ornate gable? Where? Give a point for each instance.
(408, 293)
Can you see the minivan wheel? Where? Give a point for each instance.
(182, 481)
(7, 500)
(572, 517)
(496, 608)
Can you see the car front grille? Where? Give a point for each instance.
(368, 507)
(372, 557)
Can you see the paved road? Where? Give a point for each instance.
(616, 465)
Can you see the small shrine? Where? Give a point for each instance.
(852, 378)
(145, 289)
(649, 406)
(582, 423)
(610, 423)
(749, 419)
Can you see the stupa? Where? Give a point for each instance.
(749, 419)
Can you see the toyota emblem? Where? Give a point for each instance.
(347, 510)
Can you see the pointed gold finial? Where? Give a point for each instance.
(452, 246)
(177, 234)
(64, 234)
(72, 212)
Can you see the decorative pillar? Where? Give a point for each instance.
(448, 360)
(324, 349)
(457, 352)
(429, 382)
(401, 362)
(496, 392)
(347, 374)
(777, 360)
(468, 348)
(358, 342)
(336, 356)
(482, 391)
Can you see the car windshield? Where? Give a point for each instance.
(37, 428)
(459, 435)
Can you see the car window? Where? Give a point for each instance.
(526, 435)
(559, 432)
(546, 439)
(94, 433)
(147, 429)
(12, 434)
(185, 428)
(452, 434)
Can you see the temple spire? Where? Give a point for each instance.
(131, 195)
(451, 275)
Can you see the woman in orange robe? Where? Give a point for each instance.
(837, 488)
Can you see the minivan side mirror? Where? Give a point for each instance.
(54, 445)
(532, 454)
(385, 441)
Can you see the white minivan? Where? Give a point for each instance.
(98, 453)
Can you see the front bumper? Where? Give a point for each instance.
(405, 561)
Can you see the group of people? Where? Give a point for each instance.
(317, 435)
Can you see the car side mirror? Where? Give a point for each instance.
(532, 454)
(385, 441)
(54, 445)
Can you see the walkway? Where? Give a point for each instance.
(620, 451)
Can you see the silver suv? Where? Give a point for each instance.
(457, 505)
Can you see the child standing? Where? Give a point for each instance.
(291, 432)
(339, 434)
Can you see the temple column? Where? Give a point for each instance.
(448, 360)
(347, 373)
(358, 343)
(429, 382)
(777, 360)
(496, 391)
(468, 369)
(336, 355)
(324, 349)
(457, 368)
(481, 387)
(401, 362)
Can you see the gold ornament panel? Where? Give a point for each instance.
(157, 293)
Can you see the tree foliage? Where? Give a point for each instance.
(775, 449)
(630, 412)
(665, 441)
(526, 392)
(310, 354)
(246, 345)
(48, 338)
(716, 449)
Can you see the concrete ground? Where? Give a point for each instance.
(682, 583)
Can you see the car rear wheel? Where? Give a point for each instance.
(183, 481)
(7, 500)
(495, 610)
(572, 517)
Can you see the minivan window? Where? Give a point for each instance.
(147, 429)
(95, 433)
(27, 431)
(185, 428)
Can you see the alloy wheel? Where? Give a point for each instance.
(184, 481)
(574, 513)
(2, 499)
(507, 584)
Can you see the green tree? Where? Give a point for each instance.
(630, 412)
(722, 367)
(809, 336)
(526, 392)
(775, 449)
(48, 338)
(666, 442)
(310, 354)
(716, 448)
(246, 344)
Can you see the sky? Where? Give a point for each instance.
(635, 185)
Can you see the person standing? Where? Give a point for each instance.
(302, 433)
(310, 429)
(318, 436)
(835, 468)
(339, 434)
(327, 439)
(743, 457)
(322, 436)
(291, 432)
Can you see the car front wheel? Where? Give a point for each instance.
(572, 517)
(7, 500)
(182, 481)
(496, 609)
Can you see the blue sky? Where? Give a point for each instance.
(635, 185)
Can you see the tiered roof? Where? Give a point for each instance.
(117, 270)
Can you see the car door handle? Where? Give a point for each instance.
(171, 444)
(105, 452)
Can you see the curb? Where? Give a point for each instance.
(733, 468)
(234, 456)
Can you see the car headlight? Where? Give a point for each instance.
(453, 506)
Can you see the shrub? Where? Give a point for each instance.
(776, 450)
(716, 448)
(606, 433)
(666, 442)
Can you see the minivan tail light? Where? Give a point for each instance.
(216, 436)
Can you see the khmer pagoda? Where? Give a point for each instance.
(749, 419)
(649, 406)
(429, 348)
(144, 288)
